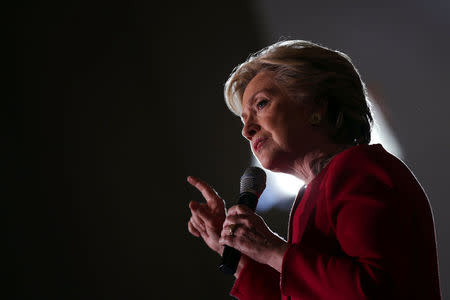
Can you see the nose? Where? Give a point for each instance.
(250, 129)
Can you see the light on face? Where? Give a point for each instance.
(281, 188)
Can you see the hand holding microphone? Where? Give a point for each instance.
(246, 232)
(242, 230)
(253, 183)
(207, 218)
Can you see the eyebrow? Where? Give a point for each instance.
(269, 91)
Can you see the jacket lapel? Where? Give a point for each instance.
(305, 215)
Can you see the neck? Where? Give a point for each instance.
(308, 167)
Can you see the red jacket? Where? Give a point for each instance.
(362, 230)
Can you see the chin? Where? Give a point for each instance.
(271, 165)
(272, 159)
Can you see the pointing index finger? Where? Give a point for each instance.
(207, 191)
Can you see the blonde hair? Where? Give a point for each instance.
(310, 72)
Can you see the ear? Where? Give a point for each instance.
(318, 112)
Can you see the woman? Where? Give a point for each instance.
(361, 228)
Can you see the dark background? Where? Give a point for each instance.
(115, 104)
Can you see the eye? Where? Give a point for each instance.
(261, 104)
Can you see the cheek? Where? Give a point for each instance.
(289, 135)
(280, 131)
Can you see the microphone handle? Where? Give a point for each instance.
(231, 256)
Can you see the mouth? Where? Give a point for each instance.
(258, 143)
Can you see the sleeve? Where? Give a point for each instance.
(257, 281)
(369, 227)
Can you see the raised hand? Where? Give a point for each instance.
(207, 218)
(247, 232)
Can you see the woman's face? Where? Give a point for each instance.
(276, 126)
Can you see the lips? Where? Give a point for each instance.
(258, 143)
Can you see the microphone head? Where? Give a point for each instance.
(253, 181)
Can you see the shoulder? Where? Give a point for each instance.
(370, 169)
(363, 154)
(359, 178)
(365, 161)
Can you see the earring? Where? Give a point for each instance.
(315, 119)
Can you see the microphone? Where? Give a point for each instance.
(253, 183)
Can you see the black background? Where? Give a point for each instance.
(113, 105)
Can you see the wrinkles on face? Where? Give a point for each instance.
(273, 123)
